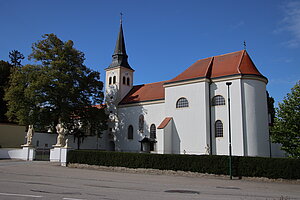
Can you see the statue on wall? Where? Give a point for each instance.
(66, 143)
(29, 135)
(61, 135)
(207, 149)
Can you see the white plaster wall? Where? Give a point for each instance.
(190, 130)
(124, 88)
(190, 125)
(118, 90)
(112, 90)
(153, 114)
(164, 139)
(26, 153)
(256, 117)
(160, 148)
(9, 153)
(221, 144)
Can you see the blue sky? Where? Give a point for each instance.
(164, 37)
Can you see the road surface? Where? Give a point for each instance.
(44, 180)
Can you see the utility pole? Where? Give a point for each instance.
(229, 130)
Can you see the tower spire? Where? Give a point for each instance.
(119, 58)
(121, 17)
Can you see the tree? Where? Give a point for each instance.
(61, 89)
(286, 128)
(5, 69)
(16, 57)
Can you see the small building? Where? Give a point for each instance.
(189, 114)
(12, 135)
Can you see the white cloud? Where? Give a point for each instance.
(291, 23)
(238, 25)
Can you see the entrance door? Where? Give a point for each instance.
(111, 146)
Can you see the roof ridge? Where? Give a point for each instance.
(239, 65)
(226, 54)
(219, 55)
(151, 83)
(208, 70)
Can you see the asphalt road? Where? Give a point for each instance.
(44, 180)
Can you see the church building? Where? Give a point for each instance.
(193, 113)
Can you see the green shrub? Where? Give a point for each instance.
(241, 166)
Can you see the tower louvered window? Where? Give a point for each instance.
(128, 81)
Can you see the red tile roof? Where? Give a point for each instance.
(164, 123)
(236, 63)
(218, 66)
(146, 92)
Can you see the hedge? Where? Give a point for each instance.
(241, 166)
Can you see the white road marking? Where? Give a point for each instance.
(20, 195)
(72, 199)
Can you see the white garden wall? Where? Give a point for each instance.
(47, 140)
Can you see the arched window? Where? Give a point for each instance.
(128, 81)
(124, 80)
(218, 100)
(141, 123)
(109, 80)
(130, 132)
(182, 103)
(114, 79)
(153, 131)
(219, 128)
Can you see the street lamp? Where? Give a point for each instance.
(229, 130)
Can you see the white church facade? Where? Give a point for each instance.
(189, 114)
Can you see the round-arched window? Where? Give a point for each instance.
(219, 128)
(130, 132)
(141, 123)
(218, 100)
(153, 131)
(182, 103)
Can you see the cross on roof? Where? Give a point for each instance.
(121, 17)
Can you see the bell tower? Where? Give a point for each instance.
(119, 81)
(119, 74)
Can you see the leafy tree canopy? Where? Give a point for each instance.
(16, 57)
(60, 88)
(286, 128)
(5, 69)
